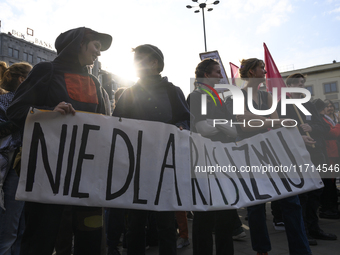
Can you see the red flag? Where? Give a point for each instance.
(273, 76)
(234, 72)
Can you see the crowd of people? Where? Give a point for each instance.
(66, 86)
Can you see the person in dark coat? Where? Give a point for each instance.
(152, 98)
(63, 85)
(11, 210)
(329, 196)
(315, 144)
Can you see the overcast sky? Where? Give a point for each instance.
(298, 33)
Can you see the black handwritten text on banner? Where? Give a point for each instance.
(96, 160)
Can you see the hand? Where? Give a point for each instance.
(288, 122)
(180, 128)
(306, 128)
(64, 108)
(308, 140)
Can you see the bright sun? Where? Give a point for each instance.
(120, 64)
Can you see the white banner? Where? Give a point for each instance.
(96, 160)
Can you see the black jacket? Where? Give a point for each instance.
(318, 125)
(63, 79)
(159, 100)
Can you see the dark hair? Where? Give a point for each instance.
(327, 101)
(205, 66)
(247, 65)
(153, 52)
(319, 104)
(294, 77)
(9, 76)
(89, 36)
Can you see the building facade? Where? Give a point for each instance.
(14, 49)
(322, 81)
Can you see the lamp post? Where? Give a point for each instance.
(202, 6)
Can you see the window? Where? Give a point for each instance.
(310, 88)
(25, 56)
(336, 104)
(10, 52)
(16, 53)
(38, 59)
(30, 58)
(330, 87)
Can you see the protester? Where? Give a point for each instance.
(253, 72)
(63, 85)
(312, 128)
(115, 217)
(208, 73)
(329, 196)
(11, 210)
(330, 112)
(153, 98)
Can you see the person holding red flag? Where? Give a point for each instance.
(311, 128)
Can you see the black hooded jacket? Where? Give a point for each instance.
(63, 79)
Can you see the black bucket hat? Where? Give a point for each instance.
(105, 39)
(73, 37)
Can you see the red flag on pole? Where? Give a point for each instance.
(273, 76)
(234, 72)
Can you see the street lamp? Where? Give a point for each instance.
(202, 6)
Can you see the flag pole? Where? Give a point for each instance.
(274, 73)
(302, 122)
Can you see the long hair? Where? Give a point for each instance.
(9, 76)
(247, 65)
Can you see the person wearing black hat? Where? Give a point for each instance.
(152, 98)
(63, 85)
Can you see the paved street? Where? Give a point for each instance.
(278, 239)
